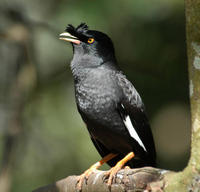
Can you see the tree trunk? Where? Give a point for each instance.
(151, 179)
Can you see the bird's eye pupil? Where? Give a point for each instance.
(90, 40)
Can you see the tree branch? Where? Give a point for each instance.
(147, 178)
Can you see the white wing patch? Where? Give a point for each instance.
(132, 131)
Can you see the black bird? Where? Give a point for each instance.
(108, 103)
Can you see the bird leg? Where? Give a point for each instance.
(113, 171)
(94, 167)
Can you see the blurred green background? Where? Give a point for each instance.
(42, 137)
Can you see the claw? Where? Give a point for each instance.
(113, 171)
(84, 177)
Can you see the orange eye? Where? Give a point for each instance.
(90, 40)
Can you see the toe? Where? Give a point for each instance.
(112, 174)
(80, 182)
(83, 177)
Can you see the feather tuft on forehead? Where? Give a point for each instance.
(77, 31)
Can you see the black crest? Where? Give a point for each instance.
(78, 31)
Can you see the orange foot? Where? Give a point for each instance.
(92, 169)
(85, 176)
(113, 171)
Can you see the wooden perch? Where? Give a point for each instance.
(129, 180)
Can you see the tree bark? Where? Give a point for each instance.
(151, 179)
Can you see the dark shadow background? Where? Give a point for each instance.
(42, 137)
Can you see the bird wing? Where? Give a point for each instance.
(132, 112)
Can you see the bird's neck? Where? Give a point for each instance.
(81, 65)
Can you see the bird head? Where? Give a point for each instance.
(90, 42)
